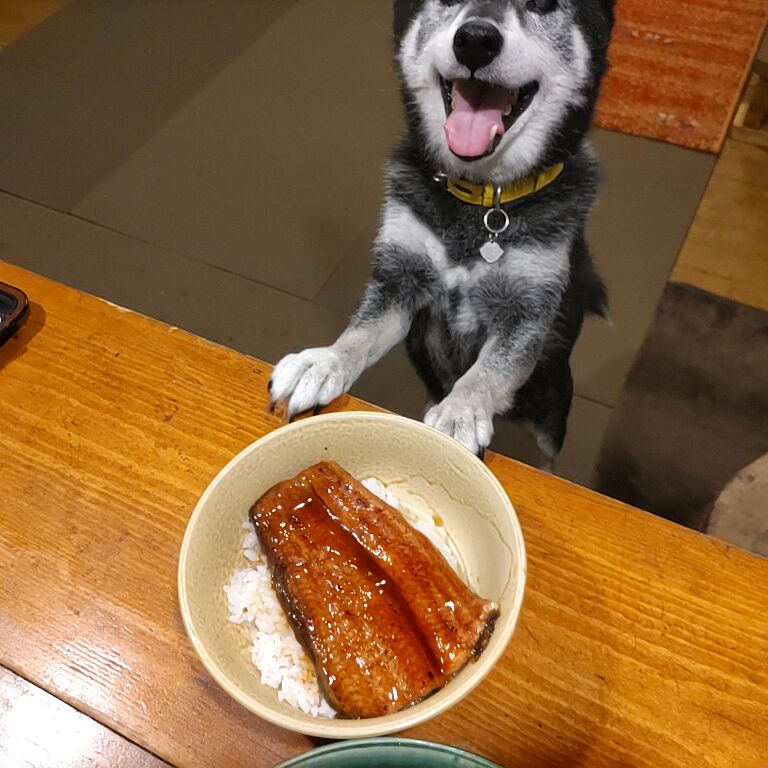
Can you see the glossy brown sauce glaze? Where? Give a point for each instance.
(384, 617)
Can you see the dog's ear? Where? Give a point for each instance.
(404, 13)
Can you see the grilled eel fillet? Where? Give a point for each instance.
(382, 614)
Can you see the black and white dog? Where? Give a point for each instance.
(480, 262)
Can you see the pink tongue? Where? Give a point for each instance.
(477, 109)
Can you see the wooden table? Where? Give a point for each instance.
(641, 644)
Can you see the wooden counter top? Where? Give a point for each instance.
(640, 644)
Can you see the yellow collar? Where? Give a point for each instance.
(484, 194)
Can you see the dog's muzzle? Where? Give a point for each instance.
(478, 109)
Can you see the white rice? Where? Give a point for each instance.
(274, 649)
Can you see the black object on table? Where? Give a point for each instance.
(14, 307)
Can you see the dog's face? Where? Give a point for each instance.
(494, 88)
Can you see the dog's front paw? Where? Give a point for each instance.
(469, 423)
(308, 379)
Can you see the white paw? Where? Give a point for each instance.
(308, 379)
(469, 423)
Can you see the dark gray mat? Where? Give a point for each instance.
(89, 85)
(274, 169)
(694, 410)
(217, 305)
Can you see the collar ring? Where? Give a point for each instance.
(496, 221)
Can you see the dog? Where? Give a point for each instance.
(480, 262)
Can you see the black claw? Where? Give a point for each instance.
(481, 454)
(317, 409)
(269, 385)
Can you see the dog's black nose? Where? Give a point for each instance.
(477, 43)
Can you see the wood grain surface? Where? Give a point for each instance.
(726, 250)
(38, 730)
(641, 644)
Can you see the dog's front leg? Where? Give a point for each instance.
(489, 386)
(401, 282)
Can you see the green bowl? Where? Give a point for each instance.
(387, 753)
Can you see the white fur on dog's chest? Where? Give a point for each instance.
(535, 264)
(517, 270)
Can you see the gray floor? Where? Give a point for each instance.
(220, 169)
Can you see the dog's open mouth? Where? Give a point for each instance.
(479, 113)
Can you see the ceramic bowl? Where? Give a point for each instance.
(426, 470)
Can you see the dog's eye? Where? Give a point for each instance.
(541, 6)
